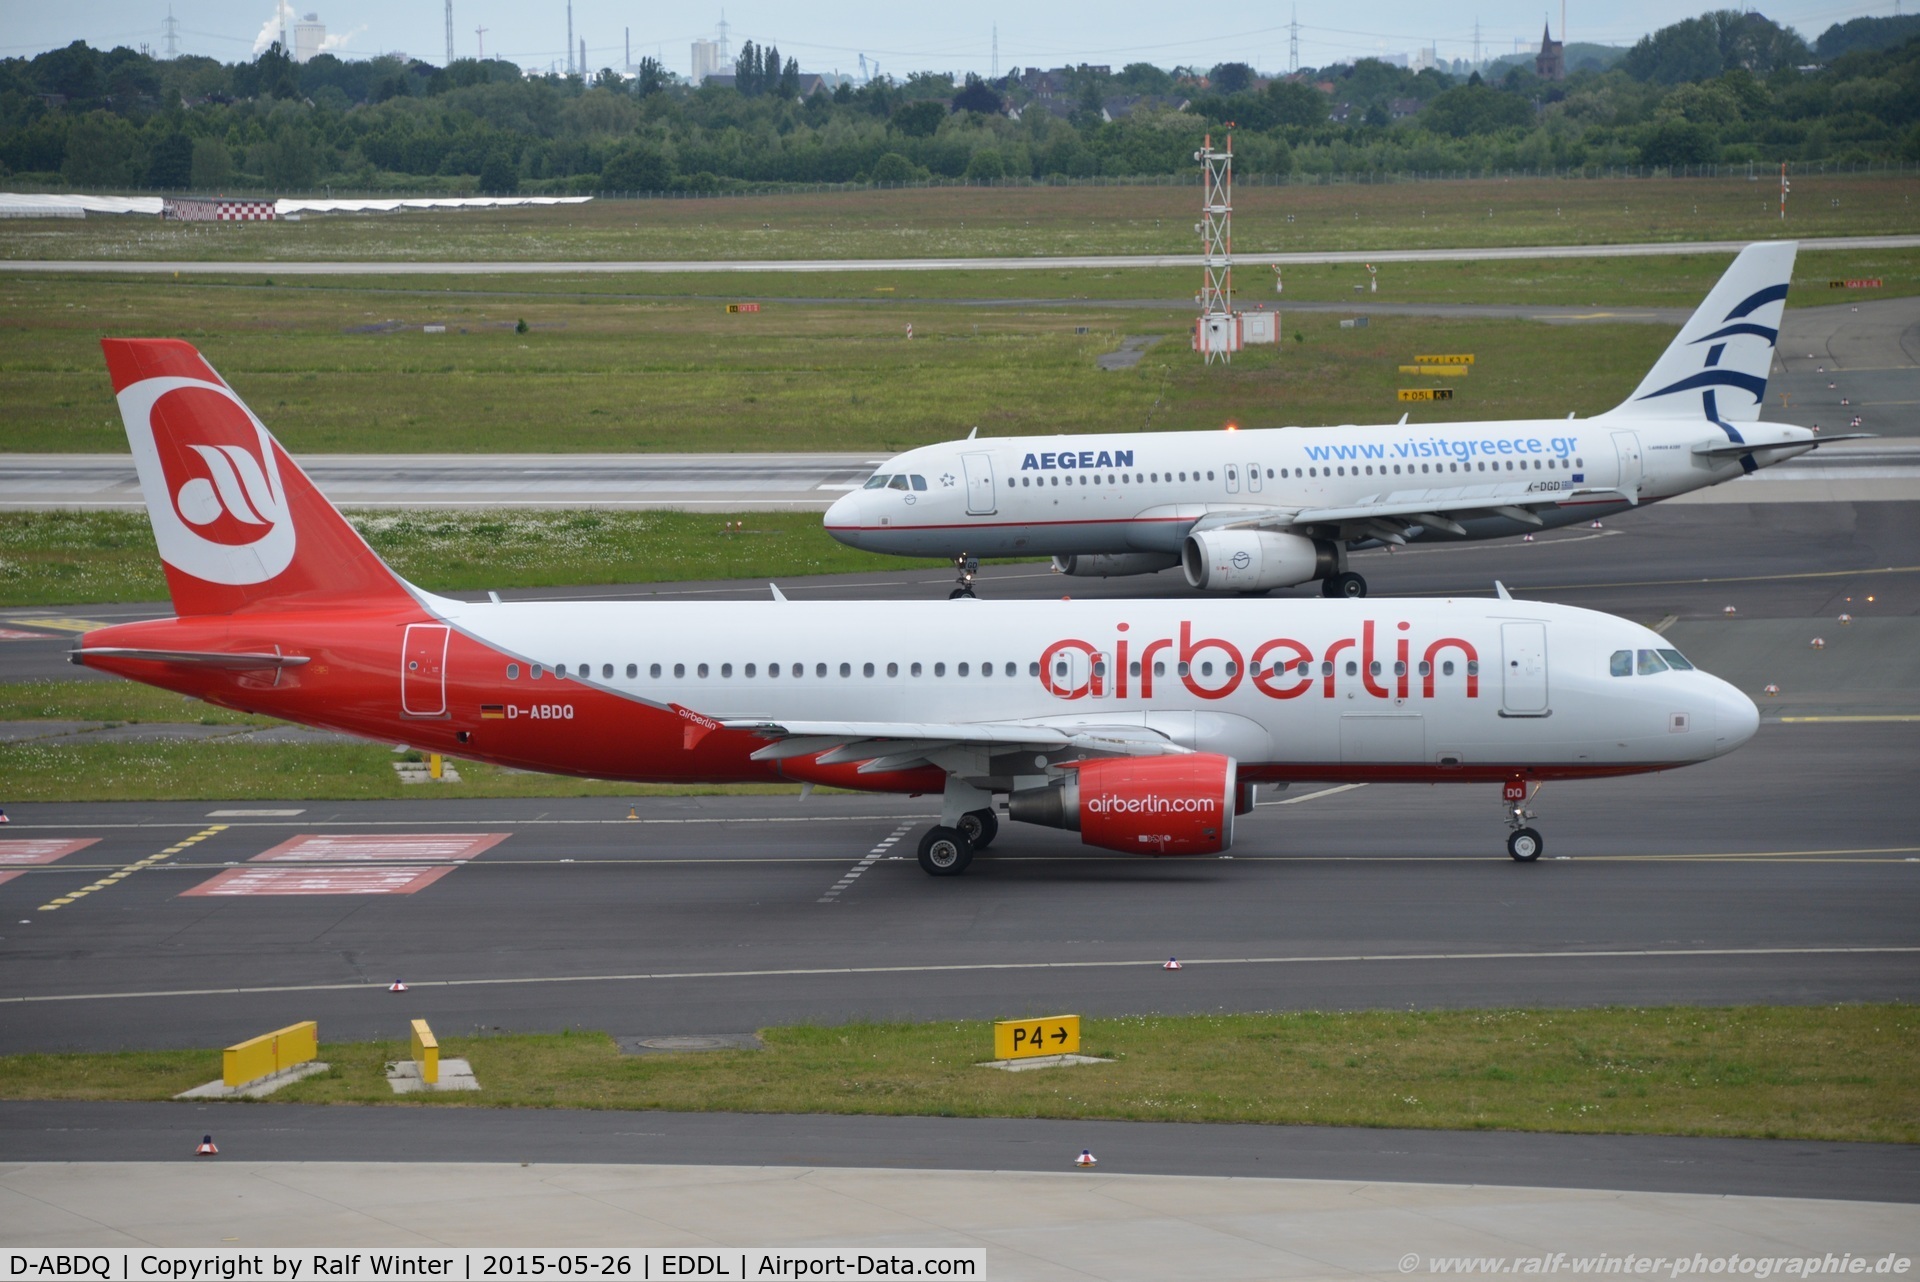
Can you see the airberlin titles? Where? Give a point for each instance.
(1280, 667)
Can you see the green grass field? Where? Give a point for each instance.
(606, 375)
(1025, 221)
(1806, 1072)
(72, 558)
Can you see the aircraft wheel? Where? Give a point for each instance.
(979, 827)
(1348, 585)
(1525, 845)
(958, 593)
(945, 852)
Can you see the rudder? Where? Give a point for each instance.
(238, 524)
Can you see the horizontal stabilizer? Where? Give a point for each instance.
(238, 662)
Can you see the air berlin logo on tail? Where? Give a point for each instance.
(211, 481)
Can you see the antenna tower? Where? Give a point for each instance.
(996, 51)
(449, 33)
(569, 34)
(629, 37)
(1293, 43)
(1476, 44)
(1217, 332)
(170, 30)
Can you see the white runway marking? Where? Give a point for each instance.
(878, 853)
(1324, 792)
(1157, 963)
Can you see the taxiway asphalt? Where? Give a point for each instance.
(499, 267)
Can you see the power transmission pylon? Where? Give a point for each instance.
(480, 39)
(1293, 43)
(171, 33)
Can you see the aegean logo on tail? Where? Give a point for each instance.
(227, 520)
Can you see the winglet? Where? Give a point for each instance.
(973, 431)
(1500, 590)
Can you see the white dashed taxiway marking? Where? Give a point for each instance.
(873, 856)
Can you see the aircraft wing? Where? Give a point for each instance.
(1387, 515)
(899, 745)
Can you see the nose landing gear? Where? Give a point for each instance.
(965, 567)
(1523, 843)
(1345, 584)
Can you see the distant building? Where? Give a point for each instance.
(706, 60)
(1402, 108)
(309, 37)
(1551, 62)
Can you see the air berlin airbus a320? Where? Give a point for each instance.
(1143, 725)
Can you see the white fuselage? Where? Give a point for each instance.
(1389, 688)
(1120, 493)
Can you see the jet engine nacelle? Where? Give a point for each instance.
(1255, 560)
(1153, 806)
(1112, 565)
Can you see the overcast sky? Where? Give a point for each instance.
(829, 35)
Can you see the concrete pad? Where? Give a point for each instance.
(1041, 1061)
(455, 1075)
(1071, 1224)
(259, 1087)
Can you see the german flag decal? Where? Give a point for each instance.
(493, 712)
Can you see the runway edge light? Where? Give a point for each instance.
(1086, 1158)
(206, 1147)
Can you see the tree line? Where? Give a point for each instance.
(1724, 88)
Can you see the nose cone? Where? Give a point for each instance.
(843, 519)
(1735, 717)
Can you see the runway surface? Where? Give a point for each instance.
(495, 267)
(132, 1132)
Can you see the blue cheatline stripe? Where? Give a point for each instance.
(1745, 327)
(1712, 407)
(1749, 383)
(1759, 299)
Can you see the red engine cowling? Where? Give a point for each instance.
(1152, 806)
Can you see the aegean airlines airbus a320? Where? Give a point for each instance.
(1248, 511)
(1143, 725)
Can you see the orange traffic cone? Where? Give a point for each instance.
(396, 987)
(1086, 1158)
(206, 1148)
(1173, 963)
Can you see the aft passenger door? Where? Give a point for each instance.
(981, 499)
(1523, 669)
(423, 670)
(1627, 446)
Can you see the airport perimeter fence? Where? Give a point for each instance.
(1756, 171)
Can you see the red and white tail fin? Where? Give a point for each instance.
(238, 523)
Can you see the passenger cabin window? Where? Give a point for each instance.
(513, 672)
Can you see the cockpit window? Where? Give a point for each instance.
(897, 483)
(878, 481)
(1676, 660)
(919, 482)
(1650, 663)
(1621, 664)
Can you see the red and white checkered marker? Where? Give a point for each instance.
(1846, 618)
(1729, 611)
(1818, 643)
(1596, 526)
(206, 1147)
(1086, 1158)
(1524, 538)
(1173, 963)
(396, 987)
(1772, 689)
(3, 818)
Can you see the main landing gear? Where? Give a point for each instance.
(1523, 843)
(965, 567)
(946, 852)
(1344, 584)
